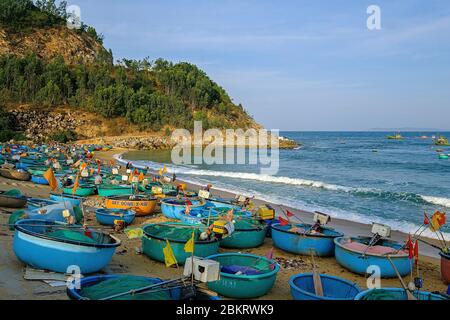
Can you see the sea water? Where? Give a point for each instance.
(358, 176)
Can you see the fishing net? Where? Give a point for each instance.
(13, 193)
(16, 216)
(72, 235)
(172, 232)
(123, 284)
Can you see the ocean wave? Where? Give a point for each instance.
(361, 192)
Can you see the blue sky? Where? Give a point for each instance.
(299, 65)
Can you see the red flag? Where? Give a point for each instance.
(416, 252)
(425, 219)
(289, 214)
(410, 247)
(283, 222)
(188, 202)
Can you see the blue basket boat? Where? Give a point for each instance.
(101, 287)
(222, 203)
(108, 216)
(256, 275)
(53, 246)
(155, 236)
(321, 244)
(173, 208)
(52, 212)
(36, 203)
(350, 254)
(334, 288)
(75, 200)
(37, 179)
(197, 215)
(397, 294)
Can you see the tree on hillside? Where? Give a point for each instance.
(50, 7)
(11, 10)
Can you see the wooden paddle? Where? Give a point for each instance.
(316, 278)
(408, 293)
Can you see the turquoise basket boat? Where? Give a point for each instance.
(350, 254)
(108, 216)
(52, 246)
(82, 191)
(155, 236)
(101, 287)
(321, 244)
(244, 286)
(114, 190)
(334, 288)
(397, 294)
(249, 233)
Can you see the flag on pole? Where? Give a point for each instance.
(416, 252)
(426, 221)
(283, 222)
(410, 247)
(189, 246)
(437, 221)
(130, 177)
(50, 177)
(269, 255)
(141, 176)
(289, 214)
(75, 185)
(169, 257)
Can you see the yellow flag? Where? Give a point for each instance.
(50, 177)
(169, 257)
(164, 169)
(75, 185)
(189, 246)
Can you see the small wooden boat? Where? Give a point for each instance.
(155, 236)
(248, 233)
(334, 288)
(142, 205)
(12, 199)
(396, 294)
(172, 208)
(108, 216)
(355, 254)
(397, 136)
(444, 156)
(53, 246)
(441, 141)
(83, 190)
(244, 276)
(111, 190)
(102, 287)
(298, 239)
(445, 266)
(15, 174)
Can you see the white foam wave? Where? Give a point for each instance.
(444, 202)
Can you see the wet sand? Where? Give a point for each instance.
(128, 261)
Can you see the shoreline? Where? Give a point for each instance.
(128, 258)
(348, 227)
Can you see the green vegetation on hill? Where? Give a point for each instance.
(150, 94)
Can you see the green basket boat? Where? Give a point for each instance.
(244, 285)
(111, 190)
(82, 190)
(249, 233)
(155, 236)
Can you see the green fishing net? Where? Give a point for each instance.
(71, 235)
(78, 213)
(381, 294)
(123, 284)
(13, 193)
(171, 232)
(16, 216)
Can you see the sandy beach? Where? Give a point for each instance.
(128, 261)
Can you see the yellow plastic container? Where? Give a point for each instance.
(266, 213)
(219, 227)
